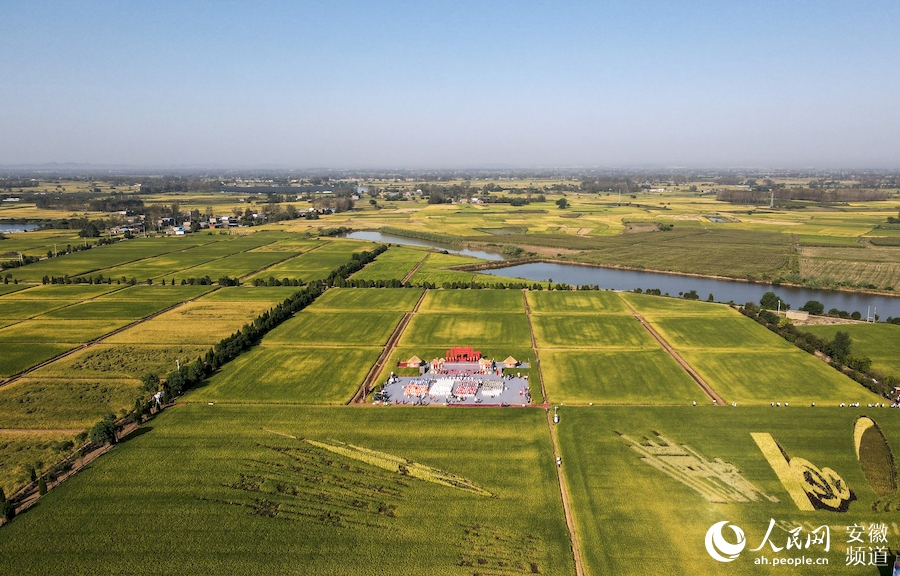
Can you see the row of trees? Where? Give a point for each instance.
(839, 349)
(825, 196)
(190, 374)
(106, 430)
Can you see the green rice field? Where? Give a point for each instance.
(569, 302)
(119, 361)
(103, 258)
(192, 323)
(290, 375)
(482, 329)
(760, 377)
(396, 263)
(22, 309)
(473, 301)
(632, 506)
(64, 403)
(17, 357)
(335, 329)
(651, 306)
(590, 331)
(880, 342)
(58, 331)
(641, 377)
(227, 492)
(316, 264)
(159, 293)
(114, 309)
(381, 299)
(64, 291)
(737, 332)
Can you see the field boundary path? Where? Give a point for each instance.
(707, 389)
(415, 268)
(182, 270)
(283, 260)
(137, 259)
(537, 359)
(91, 299)
(366, 386)
(80, 347)
(564, 492)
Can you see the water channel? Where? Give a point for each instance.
(673, 284)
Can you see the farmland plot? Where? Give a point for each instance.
(880, 342)
(335, 328)
(192, 323)
(381, 299)
(473, 301)
(575, 302)
(358, 509)
(628, 494)
(65, 403)
(119, 361)
(476, 329)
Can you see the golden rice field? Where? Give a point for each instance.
(192, 323)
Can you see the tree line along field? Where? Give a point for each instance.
(249, 464)
(45, 321)
(320, 356)
(880, 342)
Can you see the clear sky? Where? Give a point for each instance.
(419, 84)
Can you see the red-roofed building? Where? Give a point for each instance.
(463, 354)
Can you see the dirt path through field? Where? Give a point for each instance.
(537, 359)
(707, 389)
(416, 268)
(563, 487)
(564, 492)
(369, 381)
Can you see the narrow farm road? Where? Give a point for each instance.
(415, 268)
(537, 359)
(80, 347)
(564, 491)
(375, 370)
(563, 487)
(707, 389)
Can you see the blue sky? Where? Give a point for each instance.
(451, 84)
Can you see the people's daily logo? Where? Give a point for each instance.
(720, 548)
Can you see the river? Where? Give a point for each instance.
(389, 239)
(616, 279)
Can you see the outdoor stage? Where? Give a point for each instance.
(458, 383)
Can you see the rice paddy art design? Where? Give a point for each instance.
(717, 481)
(876, 460)
(401, 465)
(810, 488)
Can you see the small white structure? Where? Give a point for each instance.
(441, 387)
